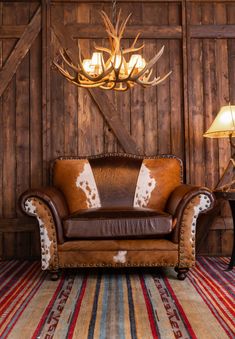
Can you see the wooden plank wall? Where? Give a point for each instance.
(43, 116)
(210, 85)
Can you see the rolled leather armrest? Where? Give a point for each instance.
(53, 199)
(183, 194)
(185, 204)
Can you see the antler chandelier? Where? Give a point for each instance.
(112, 71)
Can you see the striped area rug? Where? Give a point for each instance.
(117, 303)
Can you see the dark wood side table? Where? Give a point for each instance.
(230, 197)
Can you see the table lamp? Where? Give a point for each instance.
(223, 126)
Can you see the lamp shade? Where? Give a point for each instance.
(224, 124)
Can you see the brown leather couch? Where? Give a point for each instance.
(117, 210)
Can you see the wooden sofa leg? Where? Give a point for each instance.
(181, 272)
(54, 275)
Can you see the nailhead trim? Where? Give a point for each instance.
(188, 259)
(129, 264)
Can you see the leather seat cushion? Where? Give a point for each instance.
(117, 223)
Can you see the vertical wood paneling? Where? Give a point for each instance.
(150, 109)
(57, 138)
(102, 137)
(124, 105)
(222, 81)
(176, 87)
(109, 140)
(46, 89)
(214, 242)
(226, 242)
(84, 100)
(9, 137)
(231, 53)
(163, 94)
(196, 127)
(210, 104)
(9, 133)
(137, 92)
(22, 249)
(35, 106)
(70, 99)
(22, 114)
(35, 248)
(123, 101)
(209, 69)
(46, 93)
(185, 17)
(223, 97)
(150, 96)
(22, 102)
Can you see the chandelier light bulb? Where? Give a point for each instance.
(97, 62)
(87, 66)
(136, 61)
(117, 61)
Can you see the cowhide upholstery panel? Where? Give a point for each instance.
(49, 251)
(75, 179)
(117, 181)
(157, 179)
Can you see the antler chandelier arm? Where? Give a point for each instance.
(62, 71)
(103, 49)
(120, 89)
(64, 56)
(81, 70)
(149, 64)
(76, 80)
(117, 70)
(114, 72)
(118, 21)
(154, 82)
(123, 89)
(90, 77)
(88, 84)
(123, 26)
(108, 24)
(109, 86)
(133, 48)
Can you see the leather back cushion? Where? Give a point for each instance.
(117, 181)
